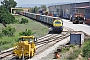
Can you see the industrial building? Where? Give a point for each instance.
(65, 10)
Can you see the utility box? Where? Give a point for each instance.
(76, 38)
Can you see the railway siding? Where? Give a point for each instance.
(50, 40)
(50, 49)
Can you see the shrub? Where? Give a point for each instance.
(8, 31)
(26, 33)
(86, 49)
(4, 42)
(16, 21)
(23, 21)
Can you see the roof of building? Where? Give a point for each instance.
(83, 7)
(68, 4)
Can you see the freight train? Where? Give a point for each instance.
(55, 22)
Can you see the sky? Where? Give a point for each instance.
(22, 2)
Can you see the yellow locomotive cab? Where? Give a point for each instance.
(58, 26)
(57, 23)
(25, 47)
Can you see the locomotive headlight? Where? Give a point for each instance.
(30, 41)
(50, 29)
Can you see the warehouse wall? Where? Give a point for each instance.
(56, 10)
(66, 10)
(78, 5)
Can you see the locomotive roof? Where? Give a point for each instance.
(27, 36)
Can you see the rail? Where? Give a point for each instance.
(48, 40)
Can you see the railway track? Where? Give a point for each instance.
(49, 42)
(42, 43)
(5, 54)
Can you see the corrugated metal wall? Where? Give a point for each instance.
(66, 10)
(87, 13)
(78, 5)
(55, 10)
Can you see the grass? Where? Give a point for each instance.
(77, 50)
(1, 26)
(39, 29)
(65, 49)
(73, 55)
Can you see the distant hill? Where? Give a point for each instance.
(33, 5)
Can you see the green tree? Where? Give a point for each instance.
(35, 9)
(5, 16)
(44, 7)
(32, 10)
(8, 31)
(9, 4)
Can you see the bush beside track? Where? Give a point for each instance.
(37, 28)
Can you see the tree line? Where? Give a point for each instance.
(36, 9)
(5, 8)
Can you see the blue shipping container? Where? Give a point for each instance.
(76, 38)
